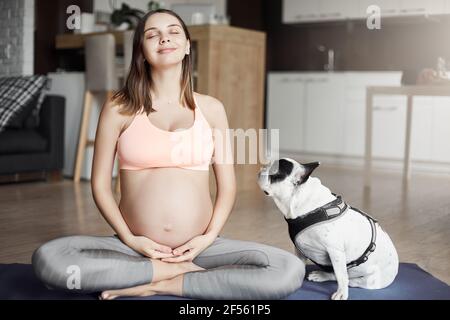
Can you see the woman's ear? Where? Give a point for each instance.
(188, 47)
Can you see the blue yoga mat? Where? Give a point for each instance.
(17, 281)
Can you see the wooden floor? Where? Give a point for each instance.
(417, 218)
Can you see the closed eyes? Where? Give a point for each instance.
(152, 36)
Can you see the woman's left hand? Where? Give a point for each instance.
(191, 249)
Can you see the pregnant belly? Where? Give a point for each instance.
(168, 205)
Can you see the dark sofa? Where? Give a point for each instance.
(29, 154)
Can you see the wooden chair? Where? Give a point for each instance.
(101, 78)
(125, 68)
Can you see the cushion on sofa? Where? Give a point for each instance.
(21, 141)
(17, 94)
(25, 117)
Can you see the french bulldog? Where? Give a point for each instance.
(335, 242)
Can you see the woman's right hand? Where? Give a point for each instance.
(149, 248)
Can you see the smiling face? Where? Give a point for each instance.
(164, 31)
(280, 177)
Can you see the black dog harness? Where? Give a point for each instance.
(330, 211)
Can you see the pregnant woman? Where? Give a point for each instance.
(167, 237)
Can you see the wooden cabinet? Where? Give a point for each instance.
(230, 66)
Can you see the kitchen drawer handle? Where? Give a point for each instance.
(332, 14)
(316, 80)
(291, 80)
(413, 10)
(389, 108)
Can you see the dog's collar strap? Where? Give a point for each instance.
(331, 210)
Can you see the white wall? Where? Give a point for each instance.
(28, 38)
(16, 37)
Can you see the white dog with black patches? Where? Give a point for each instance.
(336, 242)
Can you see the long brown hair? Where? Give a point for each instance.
(136, 90)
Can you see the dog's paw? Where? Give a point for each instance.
(320, 276)
(341, 294)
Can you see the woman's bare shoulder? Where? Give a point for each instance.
(212, 108)
(112, 115)
(208, 102)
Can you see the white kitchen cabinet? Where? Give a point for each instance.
(440, 149)
(285, 109)
(389, 123)
(446, 6)
(300, 11)
(422, 127)
(429, 120)
(295, 11)
(430, 129)
(323, 113)
(421, 7)
(335, 10)
(391, 8)
(353, 128)
(388, 8)
(354, 106)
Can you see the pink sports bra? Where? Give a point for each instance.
(143, 145)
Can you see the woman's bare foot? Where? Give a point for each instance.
(172, 286)
(169, 286)
(140, 291)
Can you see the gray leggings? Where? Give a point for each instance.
(235, 269)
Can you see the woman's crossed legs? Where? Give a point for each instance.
(227, 269)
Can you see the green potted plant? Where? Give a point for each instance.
(126, 18)
(154, 5)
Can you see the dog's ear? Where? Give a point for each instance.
(304, 171)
